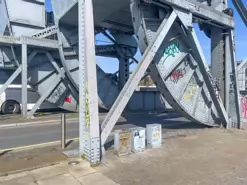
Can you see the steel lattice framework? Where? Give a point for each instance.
(59, 61)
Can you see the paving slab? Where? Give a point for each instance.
(50, 171)
(14, 176)
(27, 180)
(81, 169)
(96, 179)
(213, 157)
(65, 179)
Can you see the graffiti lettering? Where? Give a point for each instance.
(171, 51)
(190, 92)
(68, 100)
(244, 107)
(124, 140)
(57, 93)
(87, 109)
(178, 74)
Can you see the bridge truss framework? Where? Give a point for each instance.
(217, 90)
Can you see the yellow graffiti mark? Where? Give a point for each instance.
(124, 139)
(87, 108)
(88, 136)
(190, 92)
(156, 135)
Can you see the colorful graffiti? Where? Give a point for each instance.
(171, 51)
(68, 100)
(190, 92)
(177, 75)
(88, 110)
(244, 106)
(125, 139)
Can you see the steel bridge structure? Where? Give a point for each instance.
(59, 60)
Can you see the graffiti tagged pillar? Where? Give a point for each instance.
(88, 98)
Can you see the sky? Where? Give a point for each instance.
(110, 65)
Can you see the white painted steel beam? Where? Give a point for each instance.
(24, 80)
(31, 41)
(135, 78)
(88, 97)
(82, 76)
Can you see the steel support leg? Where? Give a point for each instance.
(198, 54)
(24, 80)
(232, 96)
(82, 84)
(89, 123)
(123, 71)
(218, 59)
(135, 78)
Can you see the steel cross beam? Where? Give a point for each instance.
(242, 10)
(16, 73)
(32, 41)
(135, 78)
(199, 11)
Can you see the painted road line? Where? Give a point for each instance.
(164, 136)
(36, 145)
(33, 122)
(40, 145)
(57, 121)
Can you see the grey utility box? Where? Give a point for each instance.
(122, 142)
(138, 139)
(154, 135)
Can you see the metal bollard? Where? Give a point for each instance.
(63, 130)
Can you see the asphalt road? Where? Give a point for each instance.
(48, 132)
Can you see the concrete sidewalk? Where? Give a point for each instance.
(60, 174)
(213, 157)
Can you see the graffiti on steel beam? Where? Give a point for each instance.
(57, 93)
(171, 51)
(244, 106)
(190, 92)
(179, 73)
(124, 140)
(87, 109)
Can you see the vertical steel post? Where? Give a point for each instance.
(63, 130)
(218, 59)
(89, 123)
(123, 71)
(24, 80)
(82, 84)
(92, 91)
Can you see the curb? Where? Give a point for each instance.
(27, 169)
(33, 123)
